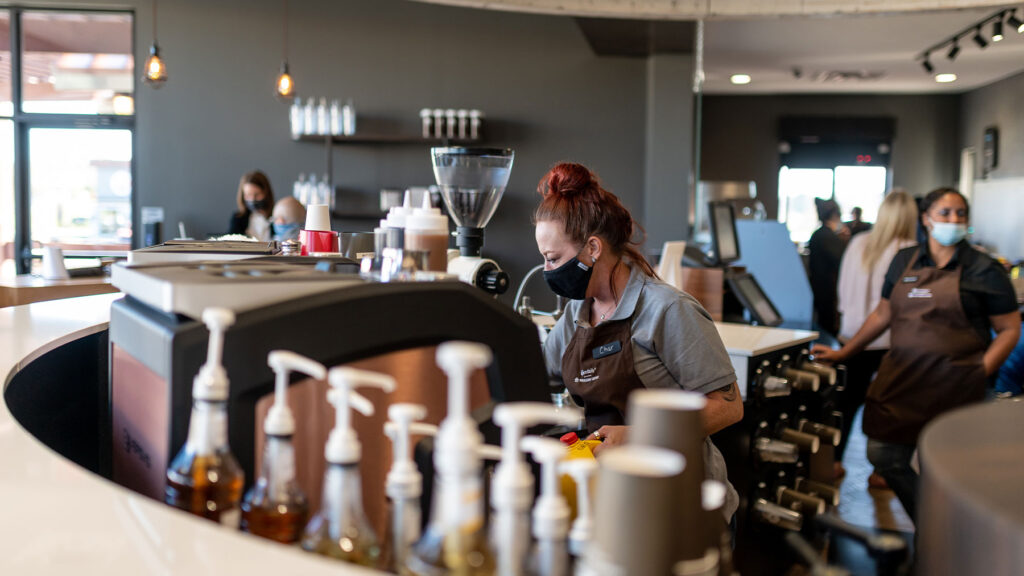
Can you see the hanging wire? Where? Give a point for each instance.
(154, 21)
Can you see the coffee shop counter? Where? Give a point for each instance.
(60, 518)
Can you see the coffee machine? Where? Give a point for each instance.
(472, 181)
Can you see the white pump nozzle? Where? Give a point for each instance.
(211, 383)
(280, 421)
(404, 479)
(343, 446)
(458, 436)
(551, 514)
(513, 482)
(581, 470)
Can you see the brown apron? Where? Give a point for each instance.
(597, 367)
(935, 363)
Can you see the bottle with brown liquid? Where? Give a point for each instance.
(275, 507)
(204, 478)
(340, 529)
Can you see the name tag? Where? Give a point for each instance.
(607, 350)
(920, 293)
(909, 279)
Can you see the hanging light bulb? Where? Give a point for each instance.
(154, 71)
(285, 84)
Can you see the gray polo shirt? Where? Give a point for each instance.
(675, 345)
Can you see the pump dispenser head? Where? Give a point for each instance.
(404, 479)
(458, 436)
(551, 514)
(343, 446)
(280, 421)
(513, 482)
(211, 383)
(581, 470)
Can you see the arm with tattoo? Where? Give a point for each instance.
(724, 408)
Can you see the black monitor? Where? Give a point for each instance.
(753, 298)
(725, 244)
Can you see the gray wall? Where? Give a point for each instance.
(545, 93)
(740, 136)
(999, 104)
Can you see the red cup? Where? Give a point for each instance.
(319, 241)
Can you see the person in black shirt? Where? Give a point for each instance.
(857, 225)
(824, 253)
(942, 301)
(255, 200)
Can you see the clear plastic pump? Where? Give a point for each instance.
(551, 513)
(404, 484)
(581, 470)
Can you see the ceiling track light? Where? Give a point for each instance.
(1015, 22)
(953, 50)
(979, 39)
(927, 65)
(997, 30)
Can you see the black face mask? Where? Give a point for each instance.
(256, 205)
(570, 280)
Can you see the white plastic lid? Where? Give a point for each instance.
(211, 383)
(458, 436)
(399, 214)
(427, 219)
(404, 479)
(551, 514)
(343, 445)
(513, 482)
(280, 421)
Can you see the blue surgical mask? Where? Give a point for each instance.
(284, 232)
(948, 233)
(570, 280)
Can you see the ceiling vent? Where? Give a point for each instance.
(846, 76)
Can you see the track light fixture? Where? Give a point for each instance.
(974, 31)
(953, 50)
(1015, 22)
(979, 39)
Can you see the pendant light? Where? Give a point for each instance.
(155, 71)
(285, 85)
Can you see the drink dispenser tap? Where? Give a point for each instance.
(275, 507)
(404, 483)
(551, 513)
(340, 529)
(581, 471)
(512, 486)
(205, 478)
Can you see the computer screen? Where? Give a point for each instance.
(749, 293)
(724, 242)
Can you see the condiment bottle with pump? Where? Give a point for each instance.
(340, 529)
(426, 228)
(404, 484)
(275, 507)
(456, 541)
(574, 449)
(205, 478)
(394, 224)
(582, 471)
(551, 513)
(512, 485)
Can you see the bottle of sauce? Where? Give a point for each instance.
(275, 507)
(426, 228)
(204, 478)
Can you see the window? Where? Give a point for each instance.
(849, 186)
(69, 106)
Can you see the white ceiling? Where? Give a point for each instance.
(769, 49)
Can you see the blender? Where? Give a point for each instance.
(472, 181)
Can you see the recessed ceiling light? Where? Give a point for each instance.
(740, 79)
(945, 78)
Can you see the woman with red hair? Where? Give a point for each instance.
(625, 329)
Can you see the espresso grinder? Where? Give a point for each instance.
(472, 181)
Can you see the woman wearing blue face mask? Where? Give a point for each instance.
(625, 329)
(287, 219)
(255, 200)
(942, 301)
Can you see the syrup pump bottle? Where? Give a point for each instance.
(404, 483)
(455, 541)
(205, 478)
(551, 513)
(275, 507)
(340, 529)
(512, 485)
(581, 470)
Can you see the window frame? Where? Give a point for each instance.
(24, 122)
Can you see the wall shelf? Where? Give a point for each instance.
(371, 138)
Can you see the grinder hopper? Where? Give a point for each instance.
(472, 181)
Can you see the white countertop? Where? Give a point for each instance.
(61, 519)
(744, 340)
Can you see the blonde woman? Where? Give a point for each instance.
(861, 275)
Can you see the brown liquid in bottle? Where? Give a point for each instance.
(207, 486)
(435, 244)
(280, 522)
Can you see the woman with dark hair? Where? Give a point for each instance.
(941, 301)
(255, 201)
(625, 329)
(824, 253)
